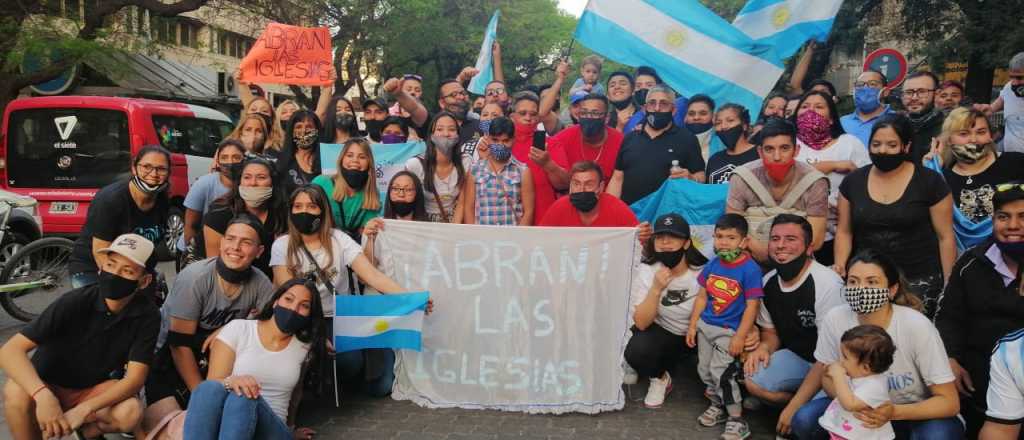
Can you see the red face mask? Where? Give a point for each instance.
(777, 171)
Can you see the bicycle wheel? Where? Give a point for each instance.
(35, 277)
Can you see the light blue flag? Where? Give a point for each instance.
(693, 49)
(387, 158)
(699, 203)
(379, 321)
(483, 60)
(787, 24)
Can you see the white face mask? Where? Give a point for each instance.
(255, 196)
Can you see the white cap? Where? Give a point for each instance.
(134, 247)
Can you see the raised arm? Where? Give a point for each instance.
(499, 73)
(408, 102)
(324, 101)
(242, 89)
(796, 82)
(547, 102)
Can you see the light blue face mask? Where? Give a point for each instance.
(867, 99)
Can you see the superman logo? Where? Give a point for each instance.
(722, 292)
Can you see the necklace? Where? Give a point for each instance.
(600, 151)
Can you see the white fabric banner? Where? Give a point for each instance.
(525, 319)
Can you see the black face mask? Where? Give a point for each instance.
(592, 127)
(459, 109)
(640, 98)
(289, 321)
(402, 209)
(231, 275)
(620, 105)
(584, 201)
(355, 178)
(306, 223)
(231, 170)
(1018, 91)
(373, 129)
(670, 259)
(659, 120)
(115, 287)
(730, 136)
(344, 121)
(789, 271)
(888, 162)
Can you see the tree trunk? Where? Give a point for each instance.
(979, 79)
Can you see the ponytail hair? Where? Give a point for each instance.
(904, 297)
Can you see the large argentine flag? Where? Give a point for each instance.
(693, 49)
(700, 204)
(787, 24)
(379, 321)
(484, 64)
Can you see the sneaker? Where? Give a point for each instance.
(713, 416)
(630, 377)
(657, 390)
(735, 429)
(751, 403)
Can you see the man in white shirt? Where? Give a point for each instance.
(1011, 103)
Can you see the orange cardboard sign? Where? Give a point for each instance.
(289, 55)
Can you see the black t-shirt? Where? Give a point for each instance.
(468, 128)
(721, 164)
(793, 314)
(921, 142)
(113, 212)
(902, 229)
(219, 216)
(81, 343)
(646, 163)
(973, 194)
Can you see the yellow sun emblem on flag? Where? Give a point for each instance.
(381, 326)
(675, 38)
(781, 16)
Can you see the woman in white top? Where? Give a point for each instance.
(442, 170)
(825, 146)
(924, 399)
(255, 366)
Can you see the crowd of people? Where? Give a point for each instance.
(865, 278)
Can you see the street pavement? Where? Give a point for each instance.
(365, 418)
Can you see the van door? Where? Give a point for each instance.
(196, 138)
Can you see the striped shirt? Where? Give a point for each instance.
(1006, 386)
(499, 199)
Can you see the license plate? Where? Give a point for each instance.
(63, 207)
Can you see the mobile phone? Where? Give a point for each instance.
(540, 140)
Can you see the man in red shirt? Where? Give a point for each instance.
(587, 205)
(592, 139)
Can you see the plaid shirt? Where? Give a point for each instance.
(499, 199)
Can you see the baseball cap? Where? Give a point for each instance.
(379, 102)
(577, 96)
(134, 247)
(674, 224)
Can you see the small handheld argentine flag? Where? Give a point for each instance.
(379, 321)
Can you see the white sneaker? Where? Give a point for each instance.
(630, 377)
(657, 390)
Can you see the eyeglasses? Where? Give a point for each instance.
(412, 76)
(1003, 187)
(456, 94)
(148, 169)
(874, 84)
(913, 93)
(495, 92)
(592, 115)
(402, 191)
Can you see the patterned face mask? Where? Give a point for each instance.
(968, 153)
(307, 139)
(864, 300)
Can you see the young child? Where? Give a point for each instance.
(859, 383)
(725, 311)
(499, 189)
(590, 72)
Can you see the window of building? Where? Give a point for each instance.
(187, 34)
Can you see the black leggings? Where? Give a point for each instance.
(654, 351)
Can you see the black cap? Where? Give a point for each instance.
(647, 70)
(674, 224)
(379, 102)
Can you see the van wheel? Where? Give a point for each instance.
(168, 249)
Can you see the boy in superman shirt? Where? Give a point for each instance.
(725, 311)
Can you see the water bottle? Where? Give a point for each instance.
(675, 168)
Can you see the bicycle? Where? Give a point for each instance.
(36, 275)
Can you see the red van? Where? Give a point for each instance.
(62, 149)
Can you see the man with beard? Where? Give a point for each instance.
(589, 206)
(375, 111)
(926, 120)
(591, 140)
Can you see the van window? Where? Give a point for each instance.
(192, 136)
(67, 148)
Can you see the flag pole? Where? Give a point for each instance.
(568, 50)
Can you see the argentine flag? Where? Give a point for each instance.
(787, 24)
(699, 203)
(692, 48)
(484, 63)
(379, 321)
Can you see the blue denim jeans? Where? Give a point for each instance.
(82, 279)
(350, 372)
(218, 414)
(805, 425)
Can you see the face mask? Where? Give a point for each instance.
(659, 120)
(640, 97)
(344, 121)
(621, 105)
(444, 145)
(1018, 90)
(500, 152)
(729, 255)
(402, 209)
(866, 99)
(887, 162)
(289, 321)
(584, 201)
(730, 136)
(231, 170)
(147, 188)
(922, 118)
(790, 270)
(392, 139)
(305, 222)
(670, 259)
(307, 139)
(252, 142)
(698, 128)
(968, 153)
(1015, 249)
(778, 171)
(115, 287)
(477, 110)
(813, 129)
(485, 126)
(459, 109)
(255, 196)
(373, 129)
(267, 120)
(864, 300)
(592, 127)
(355, 179)
(232, 276)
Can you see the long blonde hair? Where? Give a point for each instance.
(371, 200)
(278, 123)
(324, 234)
(275, 137)
(237, 132)
(960, 119)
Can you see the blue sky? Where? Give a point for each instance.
(574, 7)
